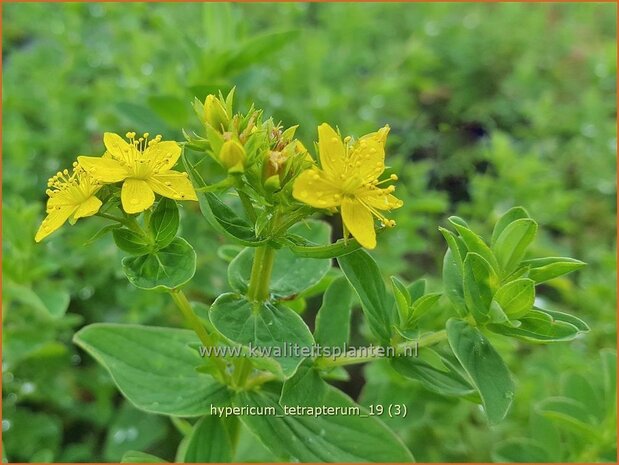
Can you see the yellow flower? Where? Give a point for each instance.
(144, 167)
(348, 179)
(70, 197)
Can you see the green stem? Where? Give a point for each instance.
(183, 426)
(242, 371)
(401, 348)
(260, 278)
(129, 222)
(181, 301)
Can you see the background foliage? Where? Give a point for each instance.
(491, 105)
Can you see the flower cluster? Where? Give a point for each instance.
(272, 172)
(143, 166)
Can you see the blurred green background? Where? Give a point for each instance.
(490, 105)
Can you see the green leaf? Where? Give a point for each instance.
(267, 327)
(436, 377)
(572, 415)
(305, 388)
(363, 274)
(154, 368)
(422, 306)
(333, 317)
(474, 243)
(545, 269)
(402, 299)
(478, 281)
(512, 243)
(516, 298)
(291, 274)
(417, 289)
(538, 326)
(134, 456)
(164, 222)
(326, 438)
(456, 246)
(210, 441)
(226, 221)
(168, 268)
(221, 217)
(259, 47)
(566, 318)
(511, 215)
(452, 282)
(484, 366)
(132, 242)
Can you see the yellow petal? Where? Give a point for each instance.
(56, 217)
(368, 158)
(118, 147)
(359, 221)
(173, 185)
(136, 195)
(380, 199)
(380, 135)
(332, 151)
(312, 187)
(104, 169)
(163, 155)
(61, 199)
(87, 208)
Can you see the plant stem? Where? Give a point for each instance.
(128, 222)
(181, 301)
(401, 348)
(258, 291)
(260, 278)
(242, 371)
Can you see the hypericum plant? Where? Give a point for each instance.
(250, 356)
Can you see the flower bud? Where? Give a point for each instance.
(215, 113)
(232, 156)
